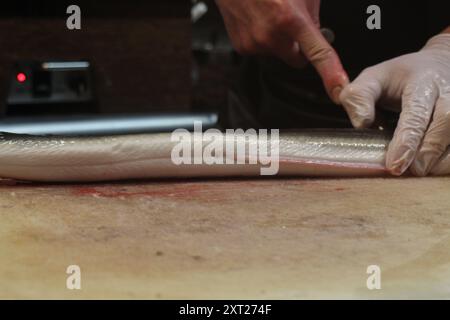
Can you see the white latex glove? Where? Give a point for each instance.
(418, 84)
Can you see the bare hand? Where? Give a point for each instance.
(288, 29)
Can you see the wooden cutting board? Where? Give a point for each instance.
(274, 238)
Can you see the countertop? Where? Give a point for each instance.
(240, 238)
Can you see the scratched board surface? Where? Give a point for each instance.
(273, 238)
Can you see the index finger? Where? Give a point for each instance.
(323, 57)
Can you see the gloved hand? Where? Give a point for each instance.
(288, 29)
(420, 84)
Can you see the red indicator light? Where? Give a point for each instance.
(21, 77)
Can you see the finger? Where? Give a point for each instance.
(418, 102)
(285, 48)
(442, 167)
(290, 53)
(323, 57)
(359, 97)
(436, 140)
(314, 11)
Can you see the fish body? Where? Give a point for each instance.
(139, 156)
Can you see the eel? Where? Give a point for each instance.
(326, 152)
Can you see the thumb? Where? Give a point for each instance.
(359, 97)
(323, 57)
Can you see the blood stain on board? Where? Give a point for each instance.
(121, 192)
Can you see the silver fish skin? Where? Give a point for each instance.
(141, 156)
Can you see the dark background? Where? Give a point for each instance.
(147, 56)
(140, 50)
